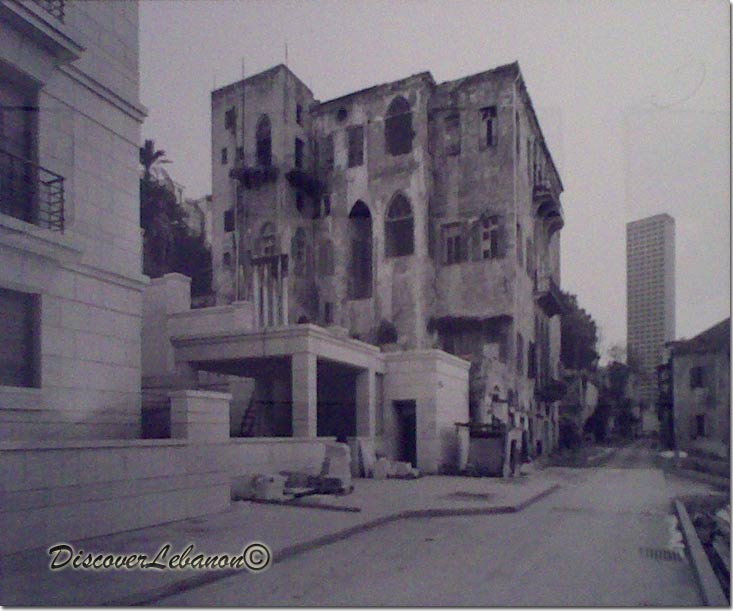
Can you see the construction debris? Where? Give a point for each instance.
(385, 468)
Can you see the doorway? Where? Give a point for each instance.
(406, 417)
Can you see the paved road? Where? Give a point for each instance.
(601, 540)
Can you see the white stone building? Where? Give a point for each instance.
(70, 242)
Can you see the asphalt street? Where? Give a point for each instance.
(608, 537)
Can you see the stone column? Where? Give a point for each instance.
(304, 385)
(200, 415)
(256, 295)
(366, 403)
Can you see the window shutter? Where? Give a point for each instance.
(474, 239)
(502, 238)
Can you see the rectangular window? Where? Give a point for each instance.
(489, 131)
(356, 145)
(520, 245)
(240, 153)
(328, 313)
(230, 119)
(520, 353)
(326, 205)
(490, 242)
(224, 156)
(453, 244)
(453, 135)
(697, 377)
(229, 220)
(361, 271)
(299, 148)
(327, 154)
(531, 361)
(299, 114)
(19, 354)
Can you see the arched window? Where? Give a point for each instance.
(360, 233)
(298, 252)
(398, 127)
(399, 228)
(266, 242)
(264, 142)
(325, 258)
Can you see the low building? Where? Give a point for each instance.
(701, 390)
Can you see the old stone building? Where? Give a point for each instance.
(700, 374)
(413, 215)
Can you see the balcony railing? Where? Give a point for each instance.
(54, 8)
(549, 296)
(31, 193)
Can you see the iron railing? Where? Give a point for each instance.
(54, 8)
(31, 193)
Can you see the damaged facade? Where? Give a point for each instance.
(411, 215)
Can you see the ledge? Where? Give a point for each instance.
(27, 237)
(47, 31)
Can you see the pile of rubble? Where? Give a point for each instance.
(334, 478)
(385, 468)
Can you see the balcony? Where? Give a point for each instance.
(43, 23)
(31, 193)
(549, 297)
(547, 206)
(252, 174)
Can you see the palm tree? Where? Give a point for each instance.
(158, 210)
(150, 160)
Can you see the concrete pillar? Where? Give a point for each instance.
(304, 385)
(256, 295)
(200, 415)
(286, 315)
(366, 403)
(266, 295)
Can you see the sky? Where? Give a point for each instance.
(633, 98)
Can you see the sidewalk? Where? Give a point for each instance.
(25, 578)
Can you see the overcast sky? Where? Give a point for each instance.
(632, 96)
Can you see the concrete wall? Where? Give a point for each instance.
(438, 383)
(89, 278)
(251, 456)
(63, 492)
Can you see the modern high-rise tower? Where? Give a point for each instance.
(650, 295)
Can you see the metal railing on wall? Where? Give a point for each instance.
(30, 192)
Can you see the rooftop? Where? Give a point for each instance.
(714, 339)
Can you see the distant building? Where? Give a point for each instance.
(650, 300)
(701, 390)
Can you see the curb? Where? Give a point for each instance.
(718, 481)
(712, 593)
(190, 583)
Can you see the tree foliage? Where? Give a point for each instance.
(168, 243)
(579, 336)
